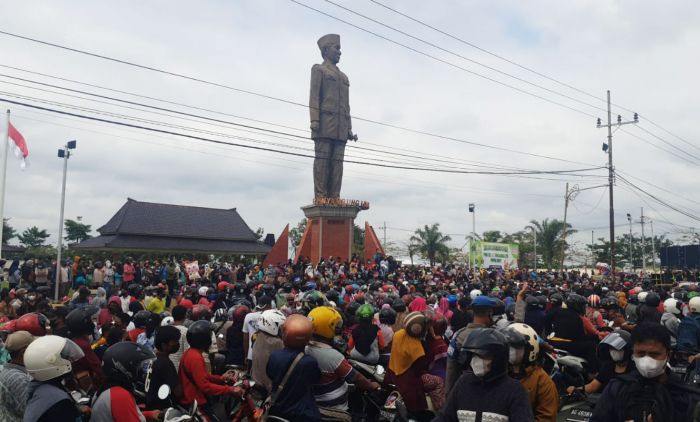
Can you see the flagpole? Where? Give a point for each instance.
(4, 178)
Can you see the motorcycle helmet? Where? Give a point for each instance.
(532, 302)
(325, 321)
(642, 297)
(619, 340)
(126, 363)
(594, 301)
(474, 293)
(609, 303)
(200, 312)
(50, 357)
(681, 295)
(487, 342)
(237, 313)
(365, 312)
(577, 303)
(527, 338)
(694, 305)
(221, 286)
(203, 291)
(220, 315)
(499, 307)
(297, 331)
(141, 318)
(80, 321)
(34, 322)
(387, 316)
(199, 334)
(398, 305)
(168, 320)
(416, 324)
(653, 299)
(270, 321)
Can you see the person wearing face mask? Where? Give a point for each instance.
(523, 357)
(614, 353)
(485, 391)
(482, 310)
(651, 392)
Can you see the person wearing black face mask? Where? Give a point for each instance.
(163, 372)
(651, 392)
(485, 391)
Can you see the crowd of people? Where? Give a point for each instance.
(457, 344)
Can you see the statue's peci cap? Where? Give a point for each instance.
(327, 40)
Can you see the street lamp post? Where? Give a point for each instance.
(65, 154)
(534, 245)
(629, 218)
(472, 245)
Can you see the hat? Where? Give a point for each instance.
(18, 341)
(327, 40)
(483, 302)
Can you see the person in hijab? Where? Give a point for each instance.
(418, 304)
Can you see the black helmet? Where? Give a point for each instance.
(141, 318)
(352, 308)
(79, 321)
(399, 305)
(653, 299)
(287, 287)
(681, 295)
(618, 340)
(123, 363)
(499, 308)
(332, 296)
(556, 299)
(510, 312)
(199, 334)
(609, 303)
(532, 302)
(487, 341)
(576, 303)
(387, 316)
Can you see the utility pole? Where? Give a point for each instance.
(611, 175)
(65, 154)
(563, 241)
(592, 255)
(629, 218)
(384, 229)
(653, 247)
(644, 248)
(472, 243)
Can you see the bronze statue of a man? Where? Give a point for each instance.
(329, 106)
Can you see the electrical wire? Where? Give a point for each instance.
(270, 97)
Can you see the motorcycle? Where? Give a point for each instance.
(177, 414)
(568, 371)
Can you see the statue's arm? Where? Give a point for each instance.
(315, 94)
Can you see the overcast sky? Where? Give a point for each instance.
(645, 52)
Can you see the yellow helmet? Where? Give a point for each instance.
(325, 320)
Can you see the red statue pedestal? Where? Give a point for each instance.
(329, 230)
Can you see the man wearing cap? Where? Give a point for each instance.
(482, 308)
(329, 107)
(14, 379)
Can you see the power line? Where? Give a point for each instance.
(275, 150)
(529, 69)
(658, 200)
(448, 63)
(270, 97)
(659, 147)
(465, 58)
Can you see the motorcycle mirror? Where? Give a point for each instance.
(380, 370)
(163, 391)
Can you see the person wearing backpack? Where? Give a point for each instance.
(651, 392)
(688, 339)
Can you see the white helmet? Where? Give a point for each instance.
(694, 305)
(641, 296)
(50, 357)
(474, 293)
(203, 291)
(672, 306)
(270, 321)
(168, 320)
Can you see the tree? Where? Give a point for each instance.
(493, 236)
(259, 233)
(76, 231)
(601, 250)
(549, 240)
(358, 241)
(33, 237)
(297, 232)
(431, 242)
(7, 232)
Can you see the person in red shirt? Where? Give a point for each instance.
(140, 320)
(129, 272)
(197, 383)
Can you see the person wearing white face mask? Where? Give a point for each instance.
(486, 392)
(651, 392)
(523, 357)
(614, 353)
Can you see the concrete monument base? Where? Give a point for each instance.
(329, 231)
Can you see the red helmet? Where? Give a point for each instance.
(297, 331)
(186, 303)
(9, 327)
(200, 312)
(222, 286)
(237, 313)
(594, 301)
(35, 323)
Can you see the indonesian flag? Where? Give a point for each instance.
(21, 149)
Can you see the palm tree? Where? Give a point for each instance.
(549, 239)
(430, 242)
